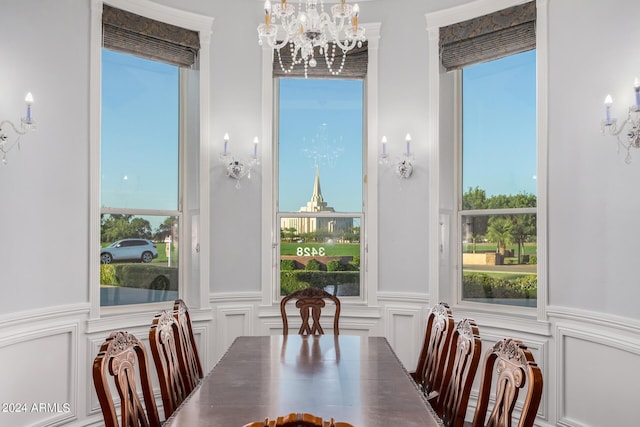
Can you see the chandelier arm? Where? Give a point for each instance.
(278, 46)
(345, 46)
(15, 129)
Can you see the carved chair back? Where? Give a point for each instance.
(192, 371)
(512, 365)
(298, 420)
(310, 302)
(120, 357)
(168, 354)
(462, 363)
(431, 363)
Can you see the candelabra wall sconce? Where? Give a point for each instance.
(627, 132)
(26, 124)
(237, 168)
(402, 165)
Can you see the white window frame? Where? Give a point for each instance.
(440, 220)
(369, 223)
(195, 235)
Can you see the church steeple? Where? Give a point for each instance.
(317, 193)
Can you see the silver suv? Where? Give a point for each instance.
(129, 250)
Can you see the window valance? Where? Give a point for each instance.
(489, 37)
(127, 32)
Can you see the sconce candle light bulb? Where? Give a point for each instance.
(267, 12)
(384, 146)
(255, 147)
(28, 100)
(408, 139)
(608, 102)
(226, 141)
(636, 86)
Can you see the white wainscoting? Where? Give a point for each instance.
(597, 359)
(39, 356)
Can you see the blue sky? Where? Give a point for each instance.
(139, 151)
(499, 125)
(320, 125)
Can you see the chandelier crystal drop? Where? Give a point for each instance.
(308, 27)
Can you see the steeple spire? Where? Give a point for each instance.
(317, 193)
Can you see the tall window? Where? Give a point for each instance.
(498, 215)
(140, 156)
(139, 227)
(320, 191)
(495, 56)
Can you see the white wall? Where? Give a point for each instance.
(44, 205)
(592, 193)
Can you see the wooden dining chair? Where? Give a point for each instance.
(121, 360)
(298, 420)
(463, 358)
(169, 357)
(511, 365)
(310, 301)
(192, 372)
(431, 362)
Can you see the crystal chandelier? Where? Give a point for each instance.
(307, 27)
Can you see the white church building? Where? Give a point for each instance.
(316, 204)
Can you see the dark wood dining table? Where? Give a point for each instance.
(359, 380)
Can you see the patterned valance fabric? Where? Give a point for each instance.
(130, 33)
(489, 37)
(355, 66)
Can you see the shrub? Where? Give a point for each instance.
(355, 263)
(481, 285)
(346, 281)
(146, 276)
(336, 265)
(289, 283)
(108, 275)
(533, 259)
(287, 265)
(312, 265)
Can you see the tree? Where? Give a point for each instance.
(166, 228)
(474, 198)
(288, 234)
(120, 226)
(499, 231)
(523, 226)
